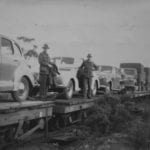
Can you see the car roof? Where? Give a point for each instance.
(4, 36)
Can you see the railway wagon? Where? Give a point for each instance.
(70, 112)
(140, 73)
(20, 120)
(147, 78)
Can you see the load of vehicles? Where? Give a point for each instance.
(20, 79)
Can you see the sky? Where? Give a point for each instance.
(114, 31)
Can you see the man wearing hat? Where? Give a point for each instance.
(45, 64)
(88, 66)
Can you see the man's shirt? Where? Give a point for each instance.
(88, 68)
(44, 61)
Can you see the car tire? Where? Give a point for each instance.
(69, 90)
(94, 90)
(22, 94)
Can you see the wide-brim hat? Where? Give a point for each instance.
(45, 46)
(89, 56)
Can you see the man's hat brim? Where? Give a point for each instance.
(46, 47)
(89, 56)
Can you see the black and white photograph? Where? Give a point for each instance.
(74, 75)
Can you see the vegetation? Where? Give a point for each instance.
(31, 53)
(113, 114)
(25, 39)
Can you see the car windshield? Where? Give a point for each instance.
(63, 61)
(129, 71)
(106, 68)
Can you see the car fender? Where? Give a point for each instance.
(95, 79)
(22, 71)
(67, 76)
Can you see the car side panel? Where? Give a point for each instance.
(8, 67)
(66, 76)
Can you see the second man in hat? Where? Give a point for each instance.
(88, 66)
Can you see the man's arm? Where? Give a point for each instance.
(95, 66)
(82, 65)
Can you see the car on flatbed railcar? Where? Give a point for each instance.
(15, 75)
(109, 78)
(68, 82)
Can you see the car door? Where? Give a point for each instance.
(8, 65)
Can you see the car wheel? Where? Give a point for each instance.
(69, 90)
(22, 93)
(94, 90)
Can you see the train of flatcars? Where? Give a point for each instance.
(19, 120)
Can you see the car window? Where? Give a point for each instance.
(6, 47)
(63, 61)
(16, 50)
(108, 69)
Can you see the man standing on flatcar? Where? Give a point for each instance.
(88, 67)
(45, 65)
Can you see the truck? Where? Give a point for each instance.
(147, 78)
(140, 73)
(129, 79)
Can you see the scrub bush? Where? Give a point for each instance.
(108, 115)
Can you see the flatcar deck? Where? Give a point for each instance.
(75, 104)
(13, 112)
(9, 106)
(140, 94)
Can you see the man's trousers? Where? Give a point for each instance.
(87, 90)
(44, 82)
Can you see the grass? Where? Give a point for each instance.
(113, 114)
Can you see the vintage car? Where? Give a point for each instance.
(129, 79)
(68, 79)
(15, 75)
(68, 83)
(109, 78)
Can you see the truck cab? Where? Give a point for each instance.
(140, 73)
(129, 78)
